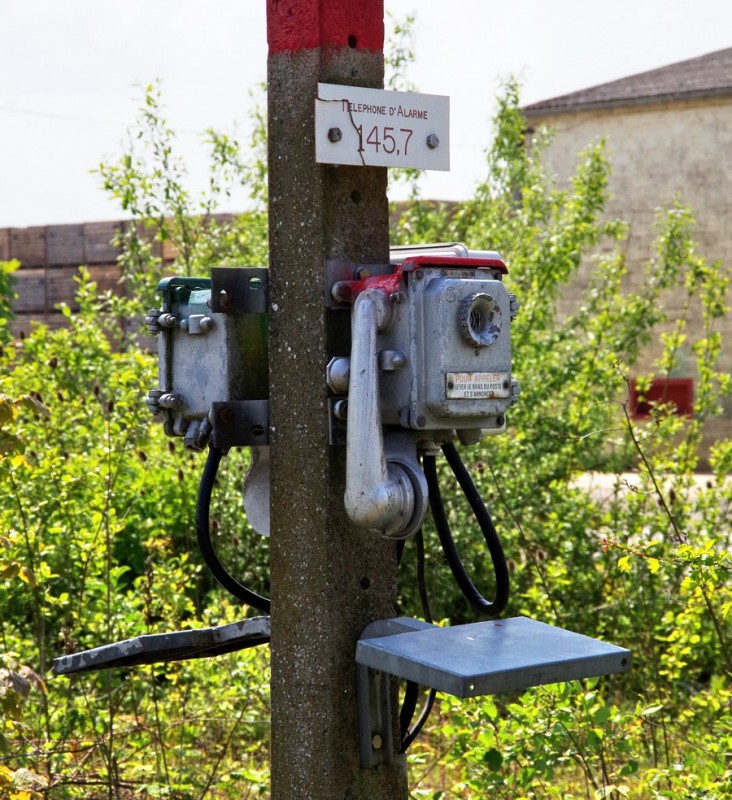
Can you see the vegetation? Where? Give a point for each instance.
(96, 513)
(647, 563)
(6, 298)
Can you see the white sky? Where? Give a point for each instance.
(68, 69)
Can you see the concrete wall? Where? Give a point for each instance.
(658, 153)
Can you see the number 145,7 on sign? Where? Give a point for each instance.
(391, 140)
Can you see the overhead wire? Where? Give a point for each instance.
(31, 112)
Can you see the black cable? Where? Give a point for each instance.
(419, 724)
(468, 588)
(412, 689)
(500, 568)
(409, 705)
(421, 584)
(203, 529)
(400, 550)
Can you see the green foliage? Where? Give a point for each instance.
(96, 515)
(150, 182)
(7, 268)
(399, 54)
(609, 528)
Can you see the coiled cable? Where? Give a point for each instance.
(500, 568)
(203, 530)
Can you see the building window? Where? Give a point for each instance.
(677, 392)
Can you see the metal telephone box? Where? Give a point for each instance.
(430, 362)
(213, 368)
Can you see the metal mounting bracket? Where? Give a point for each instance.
(338, 271)
(240, 290)
(467, 661)
(375, 738)
(240, 423)
(176, 646)
(375, 735)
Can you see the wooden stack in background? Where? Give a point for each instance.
(50, 257)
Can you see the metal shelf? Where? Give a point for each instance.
(176, 646)
(487, 657)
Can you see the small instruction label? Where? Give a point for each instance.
(477, 385)
(458, 273)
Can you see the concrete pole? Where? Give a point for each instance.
(328, 578)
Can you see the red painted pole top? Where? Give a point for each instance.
(294, 25)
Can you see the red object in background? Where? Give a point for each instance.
(675, 391)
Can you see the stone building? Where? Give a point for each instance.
(668, 135)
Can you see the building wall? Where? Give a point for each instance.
(659, 153)
(50, 256)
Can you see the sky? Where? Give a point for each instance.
(71, 72)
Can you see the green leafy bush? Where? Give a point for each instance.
(97, 509)
(7, 268)
(97, 546)
(643, 562)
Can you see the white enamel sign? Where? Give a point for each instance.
(478, 385)
(377, 128)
